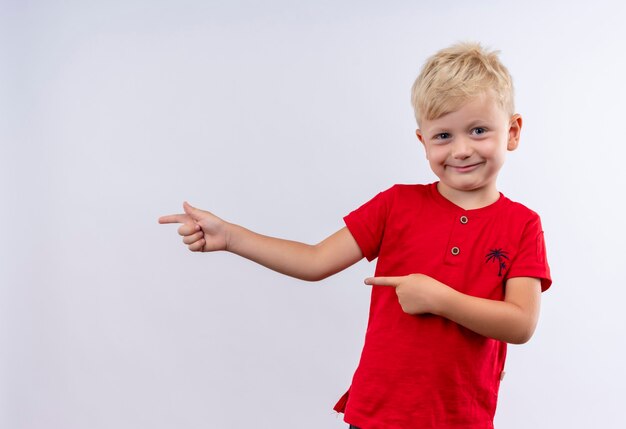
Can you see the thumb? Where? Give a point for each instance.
(192, 211)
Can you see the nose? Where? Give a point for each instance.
(461, 148)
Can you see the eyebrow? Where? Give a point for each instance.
(439, 130)
(481, 122)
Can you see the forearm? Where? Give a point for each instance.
(512, 320)
(504, 321)
(292, 258)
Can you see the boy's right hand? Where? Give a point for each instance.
(202, 231)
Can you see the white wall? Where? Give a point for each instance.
(282, 116)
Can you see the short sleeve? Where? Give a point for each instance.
(367, 223)
(531, 260)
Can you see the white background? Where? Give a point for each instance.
(281, 116)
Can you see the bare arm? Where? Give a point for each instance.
(204, 232)
(295, 259)
(512, 320)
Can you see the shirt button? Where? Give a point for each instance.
(463, 220)
(455, 250)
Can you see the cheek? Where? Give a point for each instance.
(498, 156)
(495, 150)
(435, 154)
(427, 151)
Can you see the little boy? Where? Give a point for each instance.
(460, 267)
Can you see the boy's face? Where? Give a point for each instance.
(466, 148)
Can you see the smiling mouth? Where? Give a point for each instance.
(465, 168)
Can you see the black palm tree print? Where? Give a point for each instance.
(500, 256)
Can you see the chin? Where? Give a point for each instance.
(467, 186)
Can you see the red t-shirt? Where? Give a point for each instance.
(426, 371)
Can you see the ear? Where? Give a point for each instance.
(515, 129)
(420, 137)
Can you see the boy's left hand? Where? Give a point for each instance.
(417, 293)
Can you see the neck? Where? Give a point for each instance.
(472, 199)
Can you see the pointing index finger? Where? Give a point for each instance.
(175, 218)
(383, 281)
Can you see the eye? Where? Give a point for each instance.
(442, 136)
(479, 131)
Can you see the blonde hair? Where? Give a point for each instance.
(456, 74)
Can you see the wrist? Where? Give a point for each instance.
(442, 301)
(229, 235)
